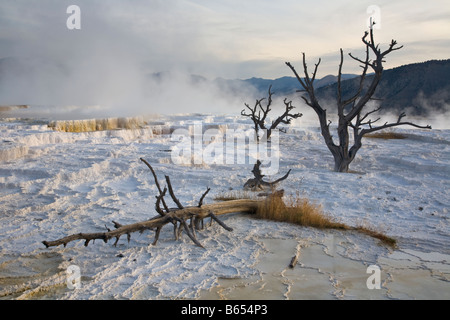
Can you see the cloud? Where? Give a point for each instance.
(208, 36)
(120, 43)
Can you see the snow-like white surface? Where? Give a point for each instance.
(54, 183)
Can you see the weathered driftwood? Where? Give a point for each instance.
(295, 258)
(177, 216)
(258, 184)
(156, 223)
(294, 261)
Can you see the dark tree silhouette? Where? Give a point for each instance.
(351, 113)
(259, 119)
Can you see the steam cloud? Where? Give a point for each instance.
(108, 67)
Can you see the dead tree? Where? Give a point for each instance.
(258, 114)
(258, 184)
(177, 216)
(351, 111)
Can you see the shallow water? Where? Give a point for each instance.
(322, 273)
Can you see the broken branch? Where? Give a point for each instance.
(245, 206)
(258, 183)
(177, 215)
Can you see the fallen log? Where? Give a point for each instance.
(177, 216)
(295, 213)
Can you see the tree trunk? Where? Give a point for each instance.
(341, 164)
(355, 117)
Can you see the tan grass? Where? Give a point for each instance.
(377, 235)
(302, 211)
(297, 210)
(89, 125)
(386, 135)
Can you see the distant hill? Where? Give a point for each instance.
(418, 88)
(280, 86)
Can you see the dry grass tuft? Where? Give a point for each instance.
(297, 210)
(377, 235)
(89, 125)
(386, 135)
(302, 211)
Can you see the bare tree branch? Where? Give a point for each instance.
(394, 124)
(157, 185)
(354, 118)
(259, 120)
(172, 194)
(175, 216)
(200, 203)
(258, 183)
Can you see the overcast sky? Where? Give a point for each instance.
(122, 40)
(222, 38)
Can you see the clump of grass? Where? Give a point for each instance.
(302, 211)
(386, 135)
(377, 235)
(89, 125)
(297, 210)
